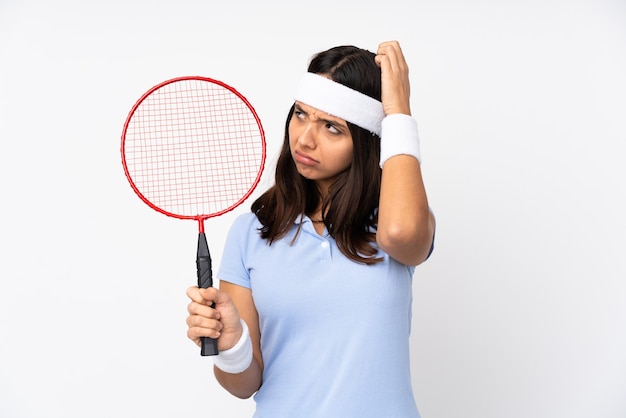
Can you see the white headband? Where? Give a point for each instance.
(341, 101)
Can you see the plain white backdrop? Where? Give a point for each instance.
(520, 312)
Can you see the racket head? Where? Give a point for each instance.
(193, 148)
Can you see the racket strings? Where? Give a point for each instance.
(193, 148)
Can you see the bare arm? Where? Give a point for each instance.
(405, 222)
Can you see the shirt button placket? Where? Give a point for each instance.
(325, 255)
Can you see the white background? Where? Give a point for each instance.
(521, 311)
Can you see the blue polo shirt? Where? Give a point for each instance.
(334, 333)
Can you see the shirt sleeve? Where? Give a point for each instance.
(233, 268)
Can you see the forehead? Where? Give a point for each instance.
(317, 113)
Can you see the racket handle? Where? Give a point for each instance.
(209, 346)
(205, 280)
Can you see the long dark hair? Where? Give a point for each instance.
(350, 206)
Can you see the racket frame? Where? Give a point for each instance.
(200, 218)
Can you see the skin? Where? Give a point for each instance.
(321, 146)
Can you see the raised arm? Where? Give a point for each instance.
(405, 222)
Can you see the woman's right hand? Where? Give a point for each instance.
(221, 322)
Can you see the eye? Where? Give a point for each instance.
(332, 128)
(299, 114)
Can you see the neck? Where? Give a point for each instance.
(316, 216)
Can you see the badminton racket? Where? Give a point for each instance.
(193, 148)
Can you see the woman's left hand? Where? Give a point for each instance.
(396, 89)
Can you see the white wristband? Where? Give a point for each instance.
(399, 136)
(238, 358)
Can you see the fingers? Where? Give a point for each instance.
(199, 295)
(203, 310)
(203, 326)
(394, 78)
(212, 313)
(387, 45)
(203, 320)
(390, 54)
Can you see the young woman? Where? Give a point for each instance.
(313, 311)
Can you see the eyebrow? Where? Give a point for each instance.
(337, 121)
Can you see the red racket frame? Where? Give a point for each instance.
(199, 218)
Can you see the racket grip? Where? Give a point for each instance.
(208, 346)
(205, 280)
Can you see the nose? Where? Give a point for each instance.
(306, 136)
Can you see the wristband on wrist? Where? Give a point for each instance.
(399, 137)
(238, 358)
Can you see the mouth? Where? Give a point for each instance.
(305, 159)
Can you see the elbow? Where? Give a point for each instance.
(395, 236)
(406, 242)
(240, 391)
(242, 394)
(242, 385)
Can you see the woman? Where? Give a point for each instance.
(312, 315)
